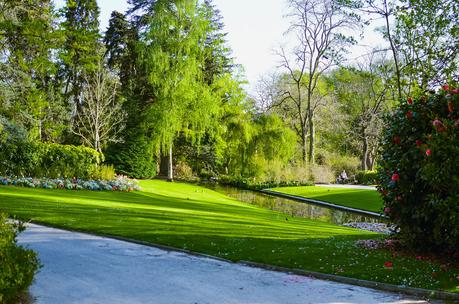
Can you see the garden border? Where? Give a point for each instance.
(419, 292)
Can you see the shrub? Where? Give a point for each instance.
(135, 158)
(338, 163)
(18, 265)
(322, 174)
(21, 157)
(330, 166)
(66, 161)
(366, 177)
(105, 172)
(253, 184)
(18, 156)
(419, 174)
(184, 172)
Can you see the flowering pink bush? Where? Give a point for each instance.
(419, 172)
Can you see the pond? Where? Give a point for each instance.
(293, 208)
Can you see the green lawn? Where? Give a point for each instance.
(199, 219)
(369, 200)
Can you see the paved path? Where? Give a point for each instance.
(80, 268)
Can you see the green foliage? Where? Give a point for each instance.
(337, 162)
(427, 38)
(252, 184)
(17, 154)
(104, 172)
(135, 158)
(184, 172)
(218, 61)
(66, 161)
(322, 174)
(173, 56)
(419, 174)
(18, 265)
(30, 94)
(79, 54)
(254, 141)
(363, 97)
(21, 157)
(116, 40)
(366, 177)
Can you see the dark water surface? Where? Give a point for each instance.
(292, 208)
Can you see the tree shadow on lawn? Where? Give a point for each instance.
(178, 216)
(221, 204)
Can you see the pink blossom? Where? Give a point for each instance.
(388, 264)
(439, 125)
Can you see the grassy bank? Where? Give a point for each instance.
(199, 219)
(363, 199)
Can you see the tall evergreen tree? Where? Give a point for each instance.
(135, 156)
(116, 40)
(218, 59)
(80, 51)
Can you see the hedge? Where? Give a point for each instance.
(66, 161)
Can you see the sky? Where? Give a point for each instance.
(255, 30)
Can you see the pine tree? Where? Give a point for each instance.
(80, 53)
(135, 156)
(218, 59)
(116, 40)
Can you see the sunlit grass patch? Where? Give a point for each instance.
(364, 199)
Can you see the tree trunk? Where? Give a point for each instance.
(170, 172)
(164, 164)
(311, 140)
(365, 154)
(394, 51)
(304, 147)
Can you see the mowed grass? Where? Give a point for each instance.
(198, 219)
(363, 199)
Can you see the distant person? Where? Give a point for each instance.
(342, 178)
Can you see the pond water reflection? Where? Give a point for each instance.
(292, 208)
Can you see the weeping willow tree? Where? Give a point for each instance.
(173, 56)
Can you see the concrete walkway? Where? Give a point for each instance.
(80, 268)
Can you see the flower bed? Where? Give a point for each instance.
(121, 183)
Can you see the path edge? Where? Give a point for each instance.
(419, 292)
(322, 203)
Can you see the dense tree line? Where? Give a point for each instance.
(159, 86)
